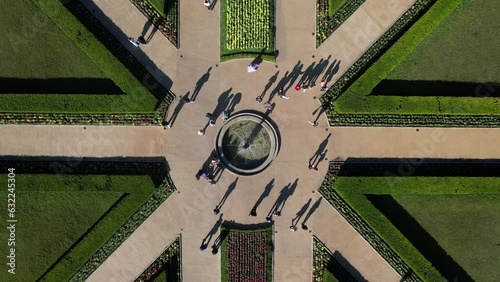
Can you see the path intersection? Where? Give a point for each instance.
(195, 67)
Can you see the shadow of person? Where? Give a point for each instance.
(218, 241)
(229, 190)
(320, 110)
(234, 101)
(288, 194)
(320, 150)
(265, 194)
(151, 34)
(301, 212)
(177, 110)
(314, 207)
(211, 233)
(270, 82)
(146, 27)
(294, 74)
(279, 200)
(222, 103)
(259, 60)
(199, 84)
(322, 156)
(332, 70)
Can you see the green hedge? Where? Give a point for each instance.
(169, 260)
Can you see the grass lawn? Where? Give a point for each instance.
(47, 45)
(435, 67)
(334, 5)
(369, 195)
(247, 29)
(55, 210)
(49, 222)
(467, 227)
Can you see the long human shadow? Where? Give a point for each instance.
(222, 103)
(177, 110)
(293, 76)
(318, 112)
(314, 207)
(319, 69)
(265, 194)
(331, 71)
(206, 241)
(419, 237)
(199, 84)
(319, 151)
(306, 75)
(425, 88)
(218, 241)
(229, 190)
(104, 86)
(270, 82)
(301, 213)
(145, 30)
(234, 101)
(285, 194)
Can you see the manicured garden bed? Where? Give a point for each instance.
(167, 267)
(350, 189)
(247, 29)
(352, 94)
(330, 14)
(85, 232)
(247, 255)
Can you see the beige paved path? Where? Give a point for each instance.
(190, 211)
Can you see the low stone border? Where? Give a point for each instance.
(360, 225)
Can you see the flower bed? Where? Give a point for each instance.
(357, 222)
(169, 260)
(325, 24)
(248, 255)
(168, 25)
(247, 28)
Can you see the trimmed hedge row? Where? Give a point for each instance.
(158, 197)
(409, 120)
(357, 222)
(170, 256)
(326, 25)
(168, 25)
(82, 119)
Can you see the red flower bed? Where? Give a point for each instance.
(247, 256)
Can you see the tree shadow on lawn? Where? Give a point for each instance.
(420, 238)
(424, 88)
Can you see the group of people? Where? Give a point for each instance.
(209, 175)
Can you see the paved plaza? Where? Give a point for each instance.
(195, 67)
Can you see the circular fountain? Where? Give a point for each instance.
(247, 143)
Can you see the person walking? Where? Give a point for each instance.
(134, 42)
(313, 123)
(282, 93)
(253, 67)
(207, 3)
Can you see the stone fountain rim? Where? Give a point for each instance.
(273, 136)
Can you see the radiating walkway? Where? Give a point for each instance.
(195, 67)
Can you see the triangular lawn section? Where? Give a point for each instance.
(35, 47)
(62, 57)
(466, 226)
(407, 78)
(49, 223)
